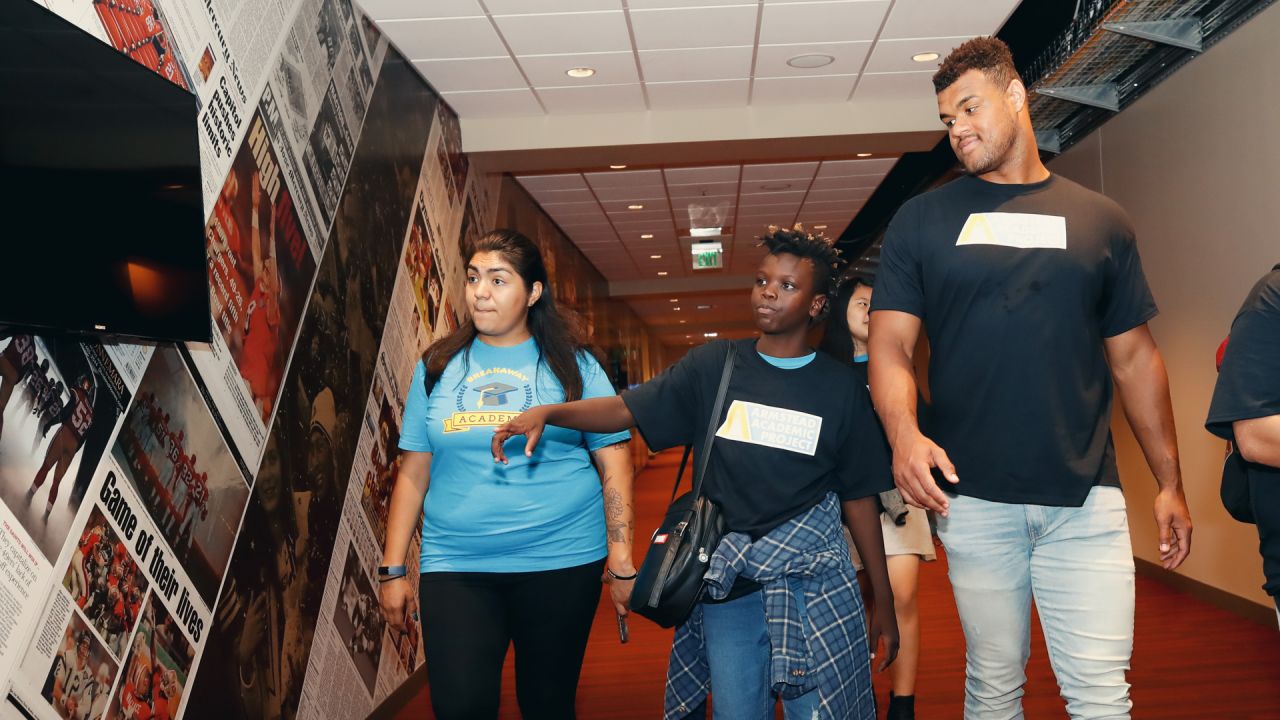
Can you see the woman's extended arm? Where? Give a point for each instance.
(595, 415)
(406, 506)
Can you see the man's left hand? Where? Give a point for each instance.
(1173, 519)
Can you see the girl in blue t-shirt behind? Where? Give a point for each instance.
(510, 553)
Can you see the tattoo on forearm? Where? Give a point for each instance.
(617, 525)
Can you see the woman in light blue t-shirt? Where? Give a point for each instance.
(510, 553)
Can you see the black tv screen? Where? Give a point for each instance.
(103, 229)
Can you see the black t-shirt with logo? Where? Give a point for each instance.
(785, 438)
(1017, 286)
(1249, 387)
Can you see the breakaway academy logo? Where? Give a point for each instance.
(489, 398)
(772, 427)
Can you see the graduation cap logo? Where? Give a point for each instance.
(493, 394)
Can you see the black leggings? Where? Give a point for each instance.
(469, 619)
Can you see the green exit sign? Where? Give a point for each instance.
(708, 256)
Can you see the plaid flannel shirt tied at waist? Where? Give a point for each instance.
(818, 639)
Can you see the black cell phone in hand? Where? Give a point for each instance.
(623, 633)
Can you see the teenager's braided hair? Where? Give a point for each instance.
(818, 249)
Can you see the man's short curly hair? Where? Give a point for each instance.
(818, 249)
(988, 54)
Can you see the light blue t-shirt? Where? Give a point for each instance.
(539, 513)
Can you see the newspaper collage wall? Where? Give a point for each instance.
(192, 530)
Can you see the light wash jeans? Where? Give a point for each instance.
(738, 651)
(1077, 564)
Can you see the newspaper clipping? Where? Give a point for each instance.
(260, 269)
(119, 582)
(171, 453)
(314, 104)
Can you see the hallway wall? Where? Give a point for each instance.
(1196, 163)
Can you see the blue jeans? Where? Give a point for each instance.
(738, 651)
(1077, 564)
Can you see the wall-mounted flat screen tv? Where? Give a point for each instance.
(101, 224)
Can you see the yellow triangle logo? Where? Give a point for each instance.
(977, 231)
(735, 425)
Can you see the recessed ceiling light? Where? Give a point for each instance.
(864, 154)
(655, 257)
(647, 236)
(819, 227)
(704, 307)
(674, 300)
(925, 57)
(688, 336)
(617, 167)
(580, 72)
(676, 307)
(635, 206)
(662, 273)
(683, 322)
(810, 61)
(711, 334)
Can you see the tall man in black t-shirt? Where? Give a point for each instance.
(1246, 410)
(1030, 286)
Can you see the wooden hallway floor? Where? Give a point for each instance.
(1191, 661)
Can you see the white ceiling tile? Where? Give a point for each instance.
(769, 213)
(810, 22)
(471, 74)
(562, 196)
(709, 190)
(895, 55)
(624, 178)
(400, 9)
(716, 63)
(579, 220)
(565, 33)
(778, 171)
(523, 7)
(771, 60)
(444, 38)
(661, 234)
(712, 93)
(783, 91)
(612, 68)
(641, 226)
(694, 27)
(828, 208)
(493, 103)
(566, 181)
(621, 216)
(843, 168)
(653, 4)
(702, 175)
(910, 93)
(628, 192)
(847, 182)
(935, 18)
(844, 195)
(795, 194)
(572, 208)
(593, 99)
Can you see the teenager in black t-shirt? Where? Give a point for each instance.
(1246, 411)
(797, 430)
(1033, 295)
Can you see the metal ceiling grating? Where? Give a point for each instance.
(1095, 68)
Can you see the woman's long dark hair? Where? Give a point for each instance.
(837, 339)
(558, 331)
